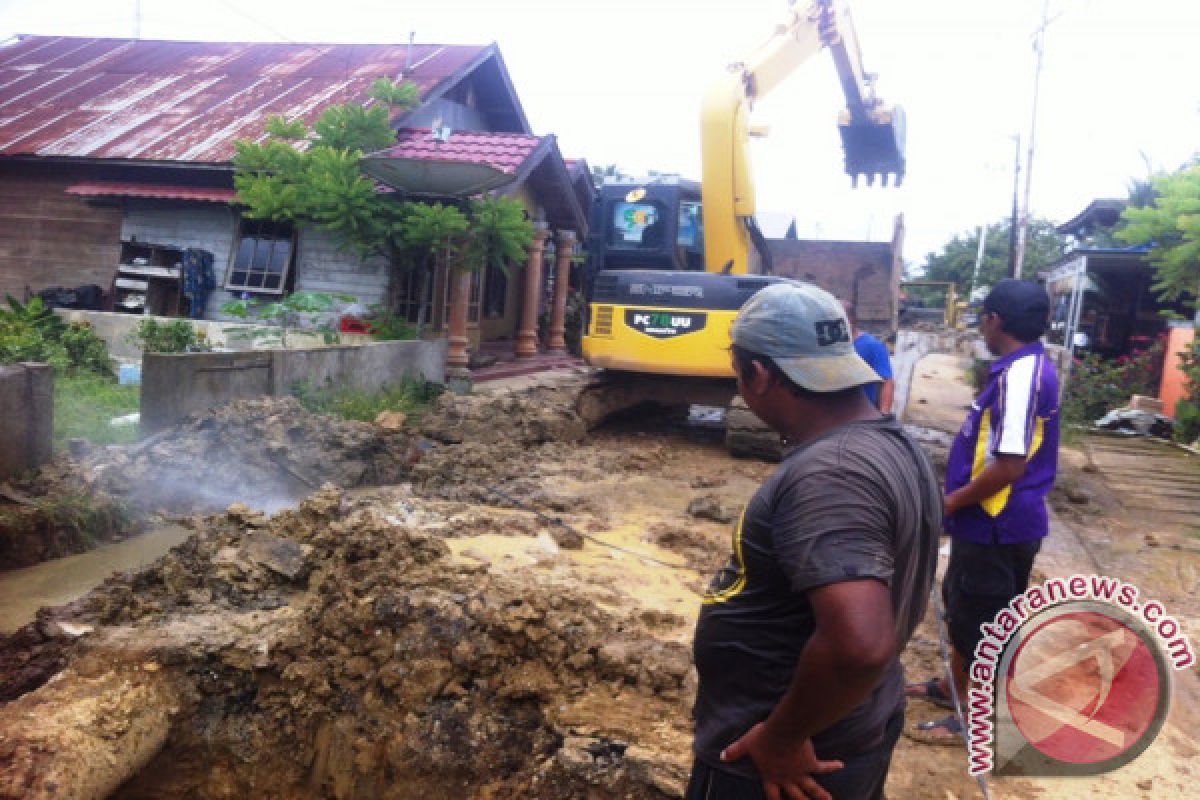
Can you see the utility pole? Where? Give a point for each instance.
(1039, 47)
(978, 262)
(1013, 269)
(137, 19)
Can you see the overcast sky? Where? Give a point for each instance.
(620, 82)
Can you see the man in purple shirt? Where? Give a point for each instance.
(1001, 467)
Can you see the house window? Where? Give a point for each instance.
(414, 295)
(263, 257)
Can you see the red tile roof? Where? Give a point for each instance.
(504, 152)
(186, 101)
(163, 191)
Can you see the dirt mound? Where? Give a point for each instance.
(338, 651)
(266, 452)
(527, 418)
(487, 448)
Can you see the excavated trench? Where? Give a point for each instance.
(494, 603)
(507, 616)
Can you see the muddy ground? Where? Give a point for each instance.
(508, 616)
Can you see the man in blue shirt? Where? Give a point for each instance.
(875, 353)
(1002, 465)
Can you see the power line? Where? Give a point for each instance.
(257, 22)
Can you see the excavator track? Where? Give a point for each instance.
(747, 436)
(611, 392)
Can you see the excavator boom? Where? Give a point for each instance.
(670, 262)
(872, 133)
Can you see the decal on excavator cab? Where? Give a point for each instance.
(664, 324)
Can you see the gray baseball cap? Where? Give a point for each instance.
(805, 331)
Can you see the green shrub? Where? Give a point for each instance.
(86, 350)
(175, 336)
(386, 327)
(32, 332)
(1187, 421)
(1098, 384)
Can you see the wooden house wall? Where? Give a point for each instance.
(50, 238)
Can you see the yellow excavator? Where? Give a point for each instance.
(670, 262)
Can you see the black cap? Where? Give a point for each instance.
(1023, 305)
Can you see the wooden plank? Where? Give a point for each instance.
(1175, 490)
(1170, 474)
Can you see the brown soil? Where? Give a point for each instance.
(510, 616)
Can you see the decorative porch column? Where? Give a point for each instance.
(526, 346)
(456, 323)
(562, 281)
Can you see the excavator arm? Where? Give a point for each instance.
(872, 134)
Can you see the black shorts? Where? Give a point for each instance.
(862, 777)
(980, 580)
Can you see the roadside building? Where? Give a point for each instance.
(115, 159)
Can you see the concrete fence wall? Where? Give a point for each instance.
(114, 328)
(174, 386)
(26, 417)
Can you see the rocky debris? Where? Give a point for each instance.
(709, 507)
(332, 650)
(391, 420)
(708, 481)
(111, 724)
(527, 418)
(1078, 495)
(30, 657)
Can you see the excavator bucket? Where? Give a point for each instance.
(874, 146)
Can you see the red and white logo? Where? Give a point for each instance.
(1072, 678)
(1084, 689)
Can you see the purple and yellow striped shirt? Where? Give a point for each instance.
(1015, 414)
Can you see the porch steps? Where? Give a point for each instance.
(528, 366)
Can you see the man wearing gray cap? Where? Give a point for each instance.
(798, 641)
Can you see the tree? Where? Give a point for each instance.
(1170, 225)
(956, 260)
(314, 178)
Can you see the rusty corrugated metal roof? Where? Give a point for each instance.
(168, 101)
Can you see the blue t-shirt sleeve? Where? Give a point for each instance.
(875, 353)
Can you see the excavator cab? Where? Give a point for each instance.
(647, 224)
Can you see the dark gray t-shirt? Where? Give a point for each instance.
(861, 501)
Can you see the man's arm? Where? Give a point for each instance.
(1002, 472)
(1015, 435)
(852, 646)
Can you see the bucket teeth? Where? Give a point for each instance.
(874, 147)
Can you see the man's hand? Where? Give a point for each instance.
(1002, 472)
(786, 768)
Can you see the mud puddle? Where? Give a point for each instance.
(57, 582)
